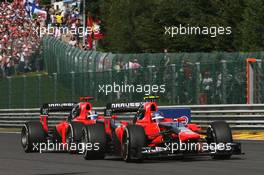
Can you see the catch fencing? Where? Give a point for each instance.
(174, 84)
(188, 78)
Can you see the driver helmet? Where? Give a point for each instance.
(157, 116)
(92, 115)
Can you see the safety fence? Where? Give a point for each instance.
(179, 78)
(240, 117)
(190, 78)
(174, 84)
(60, 57)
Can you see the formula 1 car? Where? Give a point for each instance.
(66, 132)
(151, 134)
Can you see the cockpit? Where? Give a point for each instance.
(92, 115)
(157, 116)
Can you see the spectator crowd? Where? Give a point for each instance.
(69, 18)
(19, 39)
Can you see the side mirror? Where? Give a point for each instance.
(183, 120)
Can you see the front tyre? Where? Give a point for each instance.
(74, 135)
(133, 140)
(94, 141)
(220, 132)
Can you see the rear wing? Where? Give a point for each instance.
(122, 107)
(86, 98)
(56, 107)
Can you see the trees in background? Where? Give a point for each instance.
(252, 26)
(133, 26)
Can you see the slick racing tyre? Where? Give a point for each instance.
(32, 134)
(94, 141)
(133, 140)
(220, 132)
(73, 136)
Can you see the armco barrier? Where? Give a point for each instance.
(240, 117)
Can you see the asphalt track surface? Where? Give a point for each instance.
(13, 160)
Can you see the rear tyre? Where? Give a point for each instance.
(220, 132)
(74, 136)
(94, 141)
(133, 140)
(32, 134)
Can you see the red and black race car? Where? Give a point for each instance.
(37, 135)
(150, 133)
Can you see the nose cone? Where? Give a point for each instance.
(184, 136)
